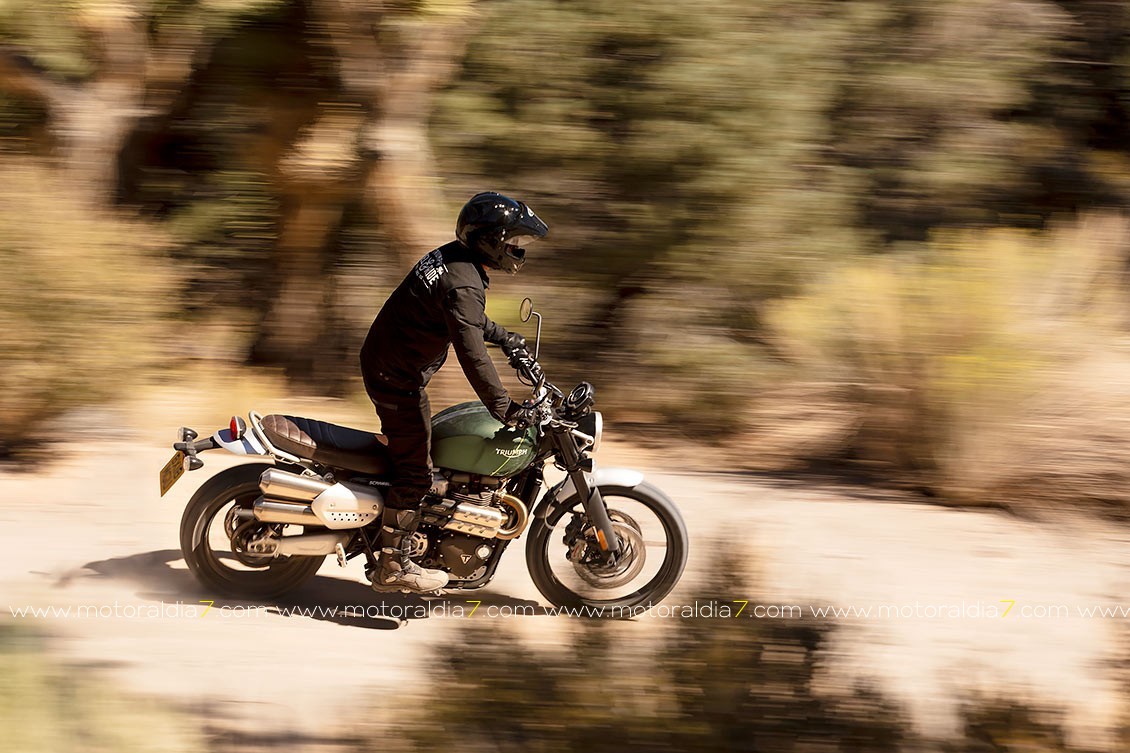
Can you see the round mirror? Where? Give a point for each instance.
(527, 309)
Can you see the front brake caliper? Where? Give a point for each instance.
(574, 537)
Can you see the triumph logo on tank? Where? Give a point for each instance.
(515, 453)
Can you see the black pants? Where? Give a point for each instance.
(406, 419)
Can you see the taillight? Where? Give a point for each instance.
(237, 427)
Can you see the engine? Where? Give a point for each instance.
(465, 520)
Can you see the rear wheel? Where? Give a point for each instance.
(205, 540)
(564, 563)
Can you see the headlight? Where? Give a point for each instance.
(593, 425)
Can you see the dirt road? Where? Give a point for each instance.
(91, 531)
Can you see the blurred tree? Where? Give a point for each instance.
(368, 143)
(99, 67)
(681, 155)
(953, 118)
(254, 126)
(695, 162)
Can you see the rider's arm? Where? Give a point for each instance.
(492, 332)
(466, 320)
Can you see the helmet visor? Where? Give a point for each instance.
(519, 237)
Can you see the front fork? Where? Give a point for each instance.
(571, 458)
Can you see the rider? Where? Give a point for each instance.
(440, 303)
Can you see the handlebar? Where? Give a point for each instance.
(531, 374)
(529, 370)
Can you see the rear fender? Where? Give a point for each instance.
(248, 444)
(187, 443)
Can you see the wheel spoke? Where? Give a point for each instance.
(652, 561)
(206, 542)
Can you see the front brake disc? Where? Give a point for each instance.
(628, 564)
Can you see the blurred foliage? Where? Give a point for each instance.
(698, 165)
(994, 724)
(681, 684)
(80, 306)
(694, 684)
(60, 37)
(946, 347)
(954, 118)
(667, 143)
(743, 198)
(48, 707)
(603, 692)
(680, 186)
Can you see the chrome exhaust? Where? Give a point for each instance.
(476, 520)
(306, 545)
(521, 516)
(278, 485)
(278, 511)
(302, 500)
(312, 543)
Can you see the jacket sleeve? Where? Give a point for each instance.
(492, 332)
(466, 319)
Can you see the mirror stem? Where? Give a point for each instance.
(537, 340)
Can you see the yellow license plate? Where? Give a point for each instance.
(173, 470)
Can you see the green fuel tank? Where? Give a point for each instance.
(467, 438)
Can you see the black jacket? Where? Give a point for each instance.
(440, 303)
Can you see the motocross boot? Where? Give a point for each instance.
(395, 570)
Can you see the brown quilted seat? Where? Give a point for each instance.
(329, 444)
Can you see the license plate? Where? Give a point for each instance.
(173, 470)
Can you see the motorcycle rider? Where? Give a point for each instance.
(440, 303)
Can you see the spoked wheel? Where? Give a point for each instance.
(212, 538)
(564, 563)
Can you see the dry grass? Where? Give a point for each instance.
(45, 706)
(81, 297)
(954, 359)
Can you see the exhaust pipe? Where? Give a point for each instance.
(476, 520)
(306, 545)
(286, 498)
(312, 543)
(278, 511)
(278, 484)
(301, 500)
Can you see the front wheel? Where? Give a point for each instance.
(563, 560)
(206, 541)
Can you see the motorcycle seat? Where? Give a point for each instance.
(329, 444)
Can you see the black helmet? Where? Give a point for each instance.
(495, 226)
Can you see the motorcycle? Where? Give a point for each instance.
(598, 538)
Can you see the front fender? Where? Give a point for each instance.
(565, 490)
